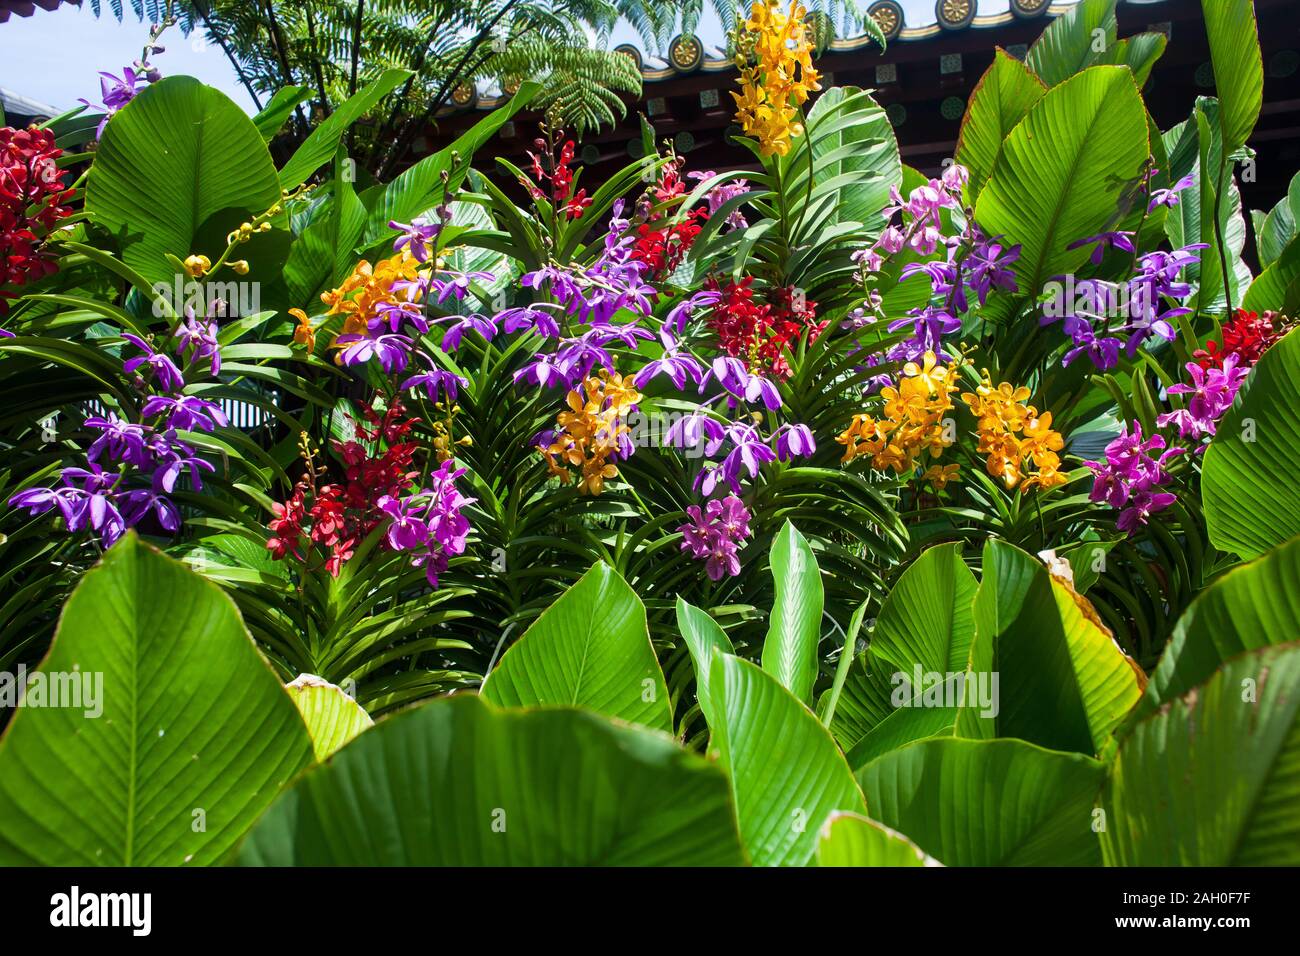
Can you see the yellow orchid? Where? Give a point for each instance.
(590, 431)
(779, 43)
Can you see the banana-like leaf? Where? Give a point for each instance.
(1071, 42)
(176, 170)
(1254, 605)
(1063, 682)
(787, 775)
(276, 113)
(1278, 286)
(988, 802)
(790, 649)
(1249, 495)
(926, 623)
(702, 635)
(859, 140)
(1238, 67)
(317, 149)
(591, 648)
(1139, 53)
(178, 738)
(1210, 779)
(457, 782)
(1277, 230)
(1000, 100)
(848, 839)
(1063, 170)
(332, 717)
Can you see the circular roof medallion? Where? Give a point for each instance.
(684, 141)
(888, 16)
(1025, 9)
(685, 53)
(954, 14)
(821, 30)
(631, 52)
(1205, 74)
(896, 113)
(510, 85)
(464, 95)
(953, 108)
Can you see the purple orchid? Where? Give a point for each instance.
(1169, 197)
(186, 412)
(680, 367)
(391, 349)
(418, 234)
(1120, 239)
(198, 337)
(460, 324)
(168, 375)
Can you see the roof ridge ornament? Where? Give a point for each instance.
(888, 15)
(954, 14)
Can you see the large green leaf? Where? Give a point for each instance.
(1139, 53)
(790, 648)
(1278, 286)
(325, 250)
(928, 618)
(787, 775)
(1212, 778)
(926, 625)
(319, 147)
(176, 170)
(1238, 67)
(1252, 606)
(1246, 478)
(1063, 169)
(1279, 226)
(188, 740)
(858, 139)
(332, 717)
(988, 802)
(848, 839)
(702, 635)
(1074, 41)
(1063, 682)
(456, 782)
(1000, 100)
(591, 648)
(1226, 236)
(420, 188)
(276, 113)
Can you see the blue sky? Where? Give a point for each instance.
(55, 56)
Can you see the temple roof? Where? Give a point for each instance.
(25, 8)
(900, 20)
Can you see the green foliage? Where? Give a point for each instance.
(988, 802)
(1248, 497)
(180, 131)
(550, 787)
(1208, 779)
(589, 649)
(174, 736)
(1064, 169)
(895, 670)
